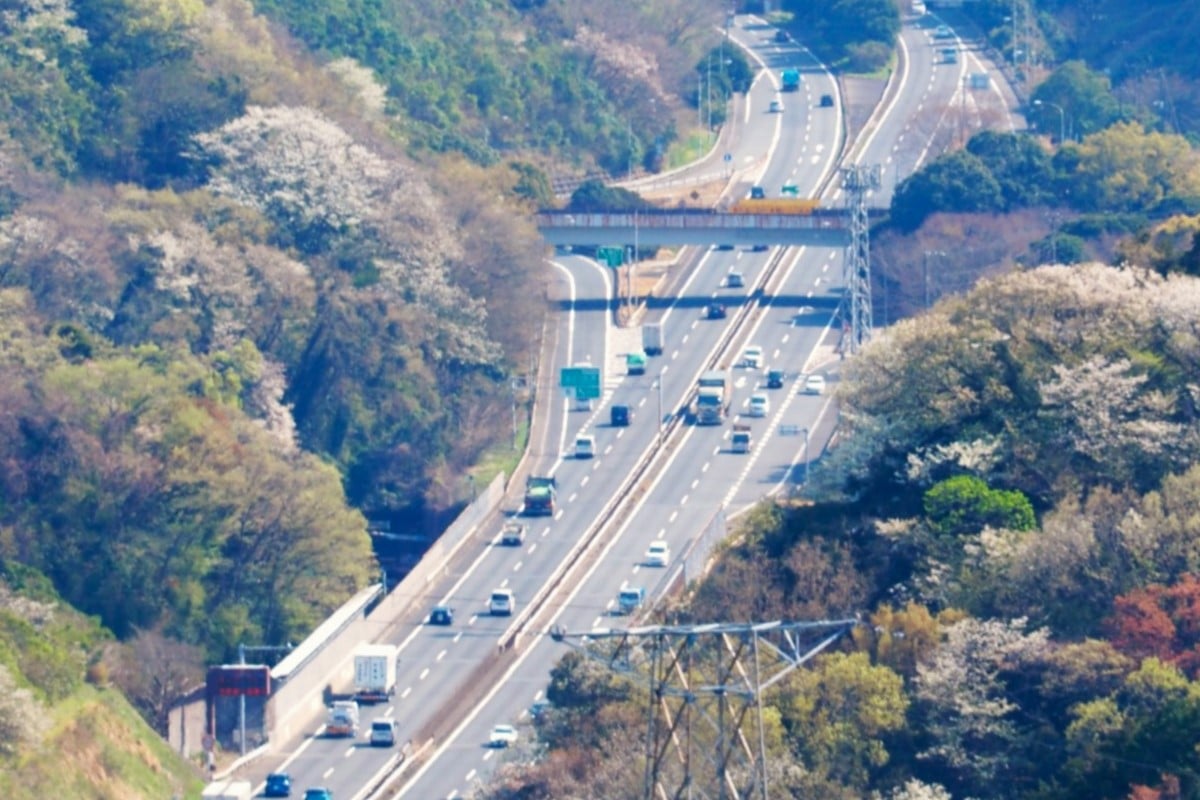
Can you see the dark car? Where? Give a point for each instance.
(826, 101)
(724, 247)
(760, 248)
(715, 311)
(782, 36)
(441, 615)
(620, 416)
(279, 784)
(775, 379)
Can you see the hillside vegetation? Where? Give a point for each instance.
(60, 736)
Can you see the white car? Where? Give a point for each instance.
(585, 446)
(503, 603)
(814, 384)
(658, 554)
(752, 357)
(383, 733)
(760, 405)
(502, 736)
(776, 107)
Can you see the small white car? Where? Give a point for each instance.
(760, 405)
(814, 384)
(585, 446)
(383, 733)
(776, 107)
(502, 736)
(735, 280)
(512, 534)
(658, 554)
(752, 357)
(503, 603)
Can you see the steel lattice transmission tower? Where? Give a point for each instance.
(705, 736)
(857, 181)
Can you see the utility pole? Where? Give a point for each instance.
(705, 731)
(857, 181)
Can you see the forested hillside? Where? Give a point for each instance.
(266, 270)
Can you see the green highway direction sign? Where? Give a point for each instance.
(612, 256)
(582, 382)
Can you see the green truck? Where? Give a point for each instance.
(540, 494)
(635, 363)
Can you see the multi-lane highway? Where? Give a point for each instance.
(791, 319)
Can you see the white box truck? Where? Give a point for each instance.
(652, 338)
(374, 672)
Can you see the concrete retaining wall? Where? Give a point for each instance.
(297, 707)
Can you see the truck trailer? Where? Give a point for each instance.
(374, 672)
(652, 338)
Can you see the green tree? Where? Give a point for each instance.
(1019, 164)
(840, 713)
(965, 504)
(959, 182)
(1085, 97)
(1139, 733)
(1126, 168)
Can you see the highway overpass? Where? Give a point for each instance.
(822, 228)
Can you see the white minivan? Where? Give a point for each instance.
(383, 733)
(503, 603)
(760, 405)
(752, 357)
(585, 446)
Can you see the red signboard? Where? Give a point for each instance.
(240, 679)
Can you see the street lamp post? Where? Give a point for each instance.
(1062, 119)
(928, 255)
(658, 384)
(515, 384)
(806, 456)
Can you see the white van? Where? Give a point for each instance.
(585, 446)
(760, 405)
(503, 603)
(383, 733)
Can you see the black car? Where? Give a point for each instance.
(620, 416)
(441, 615)
(715, 311)
(782, 36)
(826, 101)
(775, 379)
